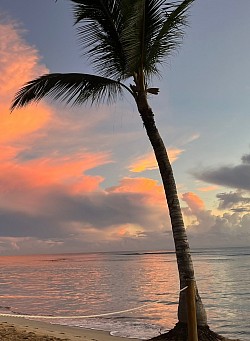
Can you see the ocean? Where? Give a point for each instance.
(100, 283)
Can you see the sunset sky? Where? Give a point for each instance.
(85, 179)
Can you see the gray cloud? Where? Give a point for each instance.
(19, 224)
(220, 231)
(231, 201)
(246, 158)
(240, 209)
(60, 212)
(103, 209)
(230, 176)
(70, 223)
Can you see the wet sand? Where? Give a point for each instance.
(20, 329)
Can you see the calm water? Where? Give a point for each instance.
(86, 284)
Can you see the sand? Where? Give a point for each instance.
(20, 329)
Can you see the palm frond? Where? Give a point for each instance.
(99, 28)
(142, 29)
(132, 36)
(153, 32)
(170, 36)
(72, 88)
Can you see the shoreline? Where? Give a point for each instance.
(20, 328)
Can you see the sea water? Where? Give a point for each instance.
(100, 283)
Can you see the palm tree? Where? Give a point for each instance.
(128, 40)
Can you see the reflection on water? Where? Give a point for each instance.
(86, 284)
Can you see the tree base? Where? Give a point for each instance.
(179, 333)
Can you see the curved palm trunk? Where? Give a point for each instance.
(184, 261)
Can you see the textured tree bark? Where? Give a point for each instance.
(183, 255)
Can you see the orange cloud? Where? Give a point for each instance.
(25, 186)
(68, 172)
(125, 231)
(208, 188)
(18, 64)
(148, 161)
(22, 122)
(8, 152)
(194, 202)
(65, 170)
(23, 183)
(152, 192)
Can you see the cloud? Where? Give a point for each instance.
(234, 201)
(207, 188)
(246, 159)
(100, 217)
(206, 229)
(192, 138)
(225, 230)
(35, 167)
(19, 63)
(230, 176)
(151, 190)
(194, 202)
(10, 245)
(25, 186)
(148, 161)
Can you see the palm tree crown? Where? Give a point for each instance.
(122, 39)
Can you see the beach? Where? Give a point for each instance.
(20, 329)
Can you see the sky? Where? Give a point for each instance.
(85, 179)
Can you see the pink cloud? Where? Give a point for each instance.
(194, 202)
